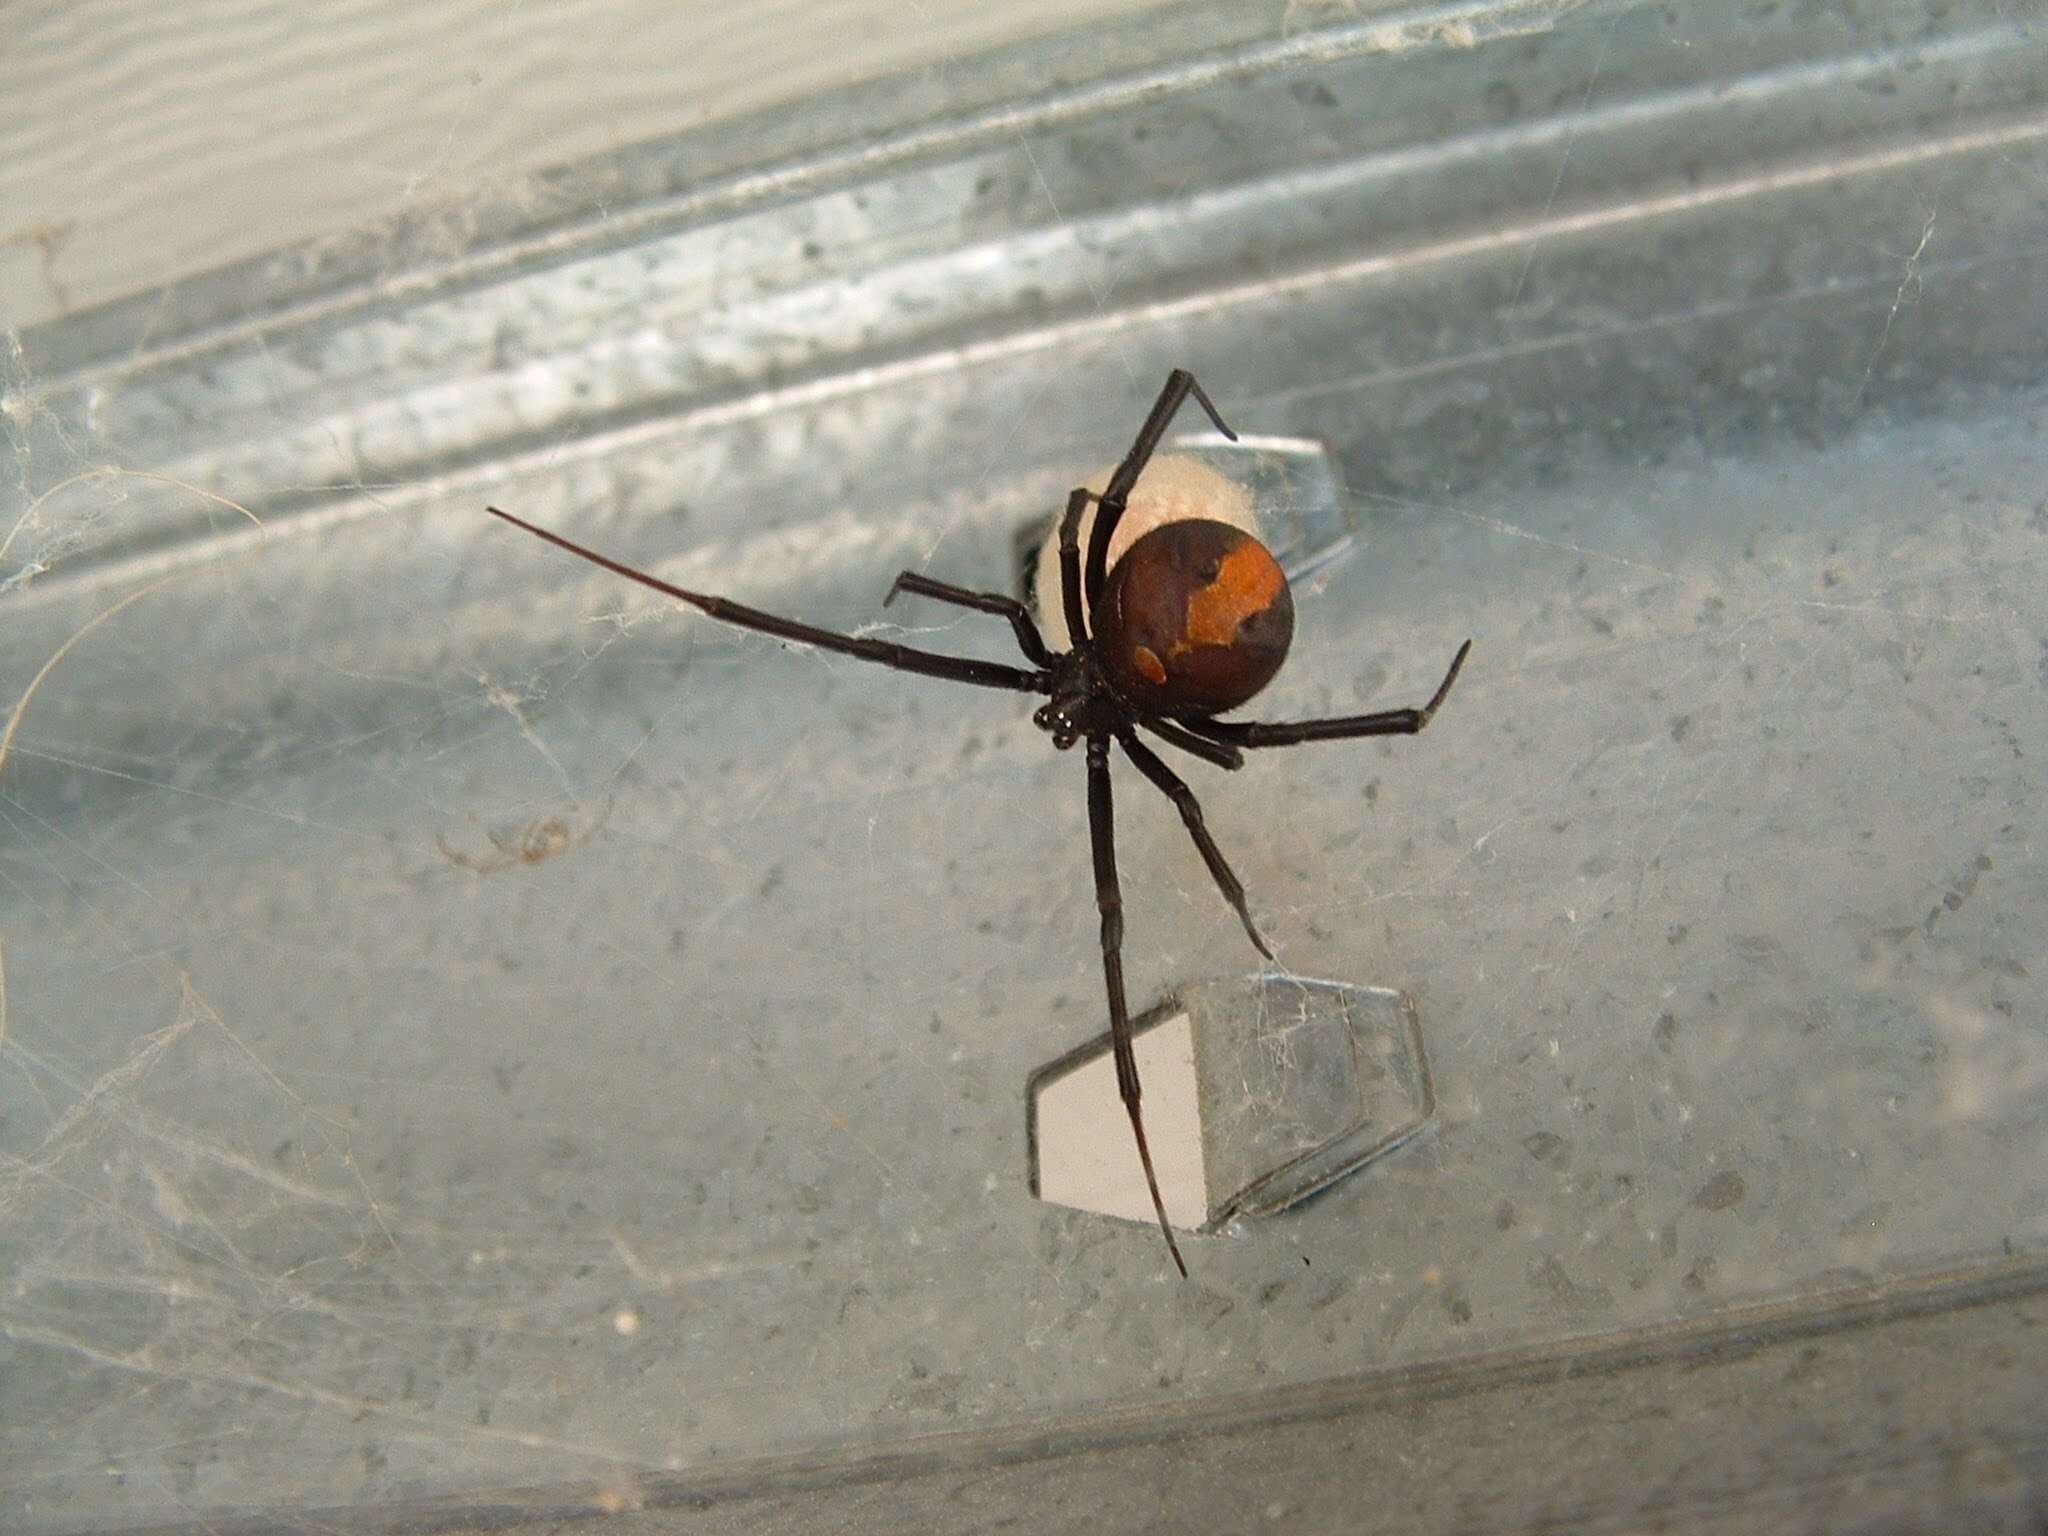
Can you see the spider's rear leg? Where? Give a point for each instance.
(1285, 733)
(1028, 638)
(1200, 746)
(1171, 785)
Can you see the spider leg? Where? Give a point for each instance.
(1209, 751)
(903, 658)
(1283, 733)
(1109, 900)
(1183, 798)
(1179, 385)
(1028, 638)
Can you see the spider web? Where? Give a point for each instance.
(464, 1026)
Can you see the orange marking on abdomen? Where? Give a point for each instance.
(1248, 582)
(1149, 666)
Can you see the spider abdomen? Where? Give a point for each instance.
(1195, 618)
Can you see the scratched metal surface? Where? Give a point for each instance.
(469, 1027)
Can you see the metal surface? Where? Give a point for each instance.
(1691, 362)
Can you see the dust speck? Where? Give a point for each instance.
(1721, 1192)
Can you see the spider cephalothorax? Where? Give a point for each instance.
(1193, 620)
(1080, 700)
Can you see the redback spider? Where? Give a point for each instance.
(1194, 619)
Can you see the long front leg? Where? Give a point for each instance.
(1282, 733)
(1109, 900)
(1028, 639)
(1175, 789)
(904, 658)
(1179, 385)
